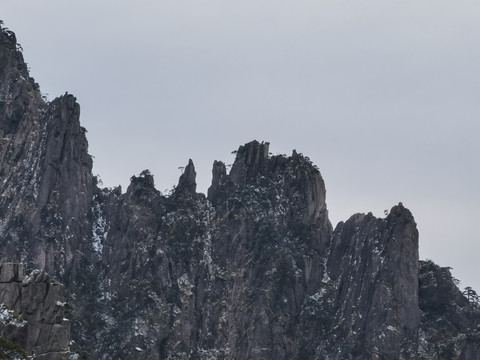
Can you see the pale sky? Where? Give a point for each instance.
(381, 95)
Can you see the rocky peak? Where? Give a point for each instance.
(438, 290)
(374, 265)
(19, 95)
(448, 319)
(187, 184)
(400, 214)
(144, 180)
(295, 177)
(45, 170)
(249, 161)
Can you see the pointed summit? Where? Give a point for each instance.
(187, 183)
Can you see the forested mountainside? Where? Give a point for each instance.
(252, 270)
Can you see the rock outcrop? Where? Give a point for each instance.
(253, 270)
(33, 313)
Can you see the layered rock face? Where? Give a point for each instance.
(253, 270)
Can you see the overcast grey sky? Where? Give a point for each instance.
(382, 95)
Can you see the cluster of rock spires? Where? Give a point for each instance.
(253, 270)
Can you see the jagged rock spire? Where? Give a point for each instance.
(219, 176)
(187, 183)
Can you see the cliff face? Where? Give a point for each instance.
(254, 270)
(45, 171)
(373, 264)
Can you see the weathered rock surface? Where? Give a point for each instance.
(11, 272)
(45, 171)
(254, 270)
(33, 313)
(372, 288)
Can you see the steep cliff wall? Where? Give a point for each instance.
(46, 183)
(373, 264)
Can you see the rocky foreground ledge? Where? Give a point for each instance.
(33, 315)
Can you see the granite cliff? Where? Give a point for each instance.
(252, 270)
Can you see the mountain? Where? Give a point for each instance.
(252, 270)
